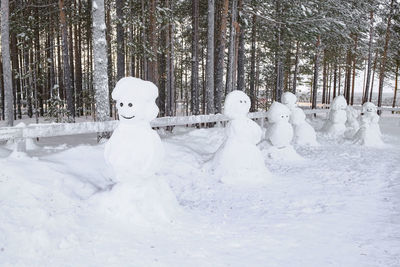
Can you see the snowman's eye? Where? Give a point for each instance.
(130, 105)
(121, 104)
(241, 101)
(282, 116)
(245, 101)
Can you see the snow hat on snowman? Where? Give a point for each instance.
(289, 99)
(237, 105)
(339, 103)
(135, 99)
(278, 113)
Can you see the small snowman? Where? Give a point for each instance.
(304, 133)
(352, 124)
(280, 133)
(369, 133)
(134, 150)
(135, 153)
(239, 160)
(335, 125)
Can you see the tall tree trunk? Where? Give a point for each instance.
(170, 107)
(278, 54)
(324, 79)
(231, 51)
(6, 61)
(66, 63)
(78, 62)
(348, 76)
(371, 37)
(219, 63)
(335, 80)
(1, 90)
(210, 58)
(16, 68)
(100, 65)
(384, 57)
(120, 39)
(373, 75)
(253, 64)
(195, 109)
(316, 70)
(354, 69)
(241, 51)
(153, 64)
(296, 65)
(109, 55)
(395, 84)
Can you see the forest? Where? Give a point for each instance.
(194, 51)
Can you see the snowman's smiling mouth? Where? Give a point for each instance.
(127, 118)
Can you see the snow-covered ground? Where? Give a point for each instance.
(338, 207)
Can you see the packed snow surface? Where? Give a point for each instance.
(239, 161)
(338, 207)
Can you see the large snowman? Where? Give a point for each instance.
(369, 133)
(279, 133)
(335, 125)
(134, 150)
(239, 160)
(135, 153)
(304, 133)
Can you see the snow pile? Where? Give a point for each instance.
(239, 160)
(335, 125)
(135, 153)
(369, 133)
(279, 133)
(304, 133)
(352, 124)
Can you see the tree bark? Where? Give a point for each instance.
(195, 109)
(296, 66)
(373, 75)
(278, 54)
(153, 64)
(66, 63)
(354, 69)
(316, 70)
(231, 51)
(210, 58)
(371, 37)
(395, 84)
(384, 57)
(6, 61)
(100, 64)
(120, 39)
(253, 63)
(220, 51)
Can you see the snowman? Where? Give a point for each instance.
(280, 133)
(135, 153)
(352, 124)
(304, 133)
(134, 150)
(369, 133)
(239, 160)
(335, 125)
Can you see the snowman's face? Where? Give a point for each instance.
(237, 105)
(369, 108)
(289, 99)
(339, 103)
(278, 113)
(126, 109)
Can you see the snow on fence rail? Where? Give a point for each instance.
(21, 132)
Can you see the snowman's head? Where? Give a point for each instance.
(278, 113)
(237, 105)
(135, 100)
(339, 103)
(289, 99)
(369, 107)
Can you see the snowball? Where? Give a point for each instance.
(237, 105)
(339, 103)
(239, 160)
(134, 150)
(369, 133)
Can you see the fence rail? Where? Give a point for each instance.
(21, 132)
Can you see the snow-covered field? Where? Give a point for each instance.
(340, 206)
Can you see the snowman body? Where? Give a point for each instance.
(335, 126)
(280, 132)
(369, 133)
